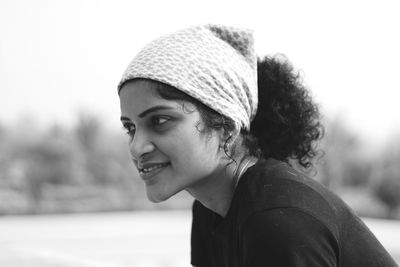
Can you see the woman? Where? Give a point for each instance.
(199, 121)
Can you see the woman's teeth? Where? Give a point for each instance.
(146, 170)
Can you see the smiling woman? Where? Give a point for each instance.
(165, 143)
(204, 116)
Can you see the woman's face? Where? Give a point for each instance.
(167, 147)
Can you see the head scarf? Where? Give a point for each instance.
(215, 64)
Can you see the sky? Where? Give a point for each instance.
(60, 58)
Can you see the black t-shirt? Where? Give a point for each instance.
(279, 217)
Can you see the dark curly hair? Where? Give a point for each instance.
(286, 126)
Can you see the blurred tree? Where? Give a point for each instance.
(87, 131)
(47, 161)
(340, 147)
(387, 178)
(3, 132)
(388, 191)
(357, 172)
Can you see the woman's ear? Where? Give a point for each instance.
(227, 139)
(231, 136)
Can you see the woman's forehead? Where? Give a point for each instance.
(141, 84)
(138, 95)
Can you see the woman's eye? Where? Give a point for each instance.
(158, 121)
(129, 129)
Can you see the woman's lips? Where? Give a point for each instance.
(150, 170)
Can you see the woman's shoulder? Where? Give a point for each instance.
(276, 170)
(272, 184)
(278, 182)
(288, 237)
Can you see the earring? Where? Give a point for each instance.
(226, 144)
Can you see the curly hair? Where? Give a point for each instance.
(286, 126)
(287, 122)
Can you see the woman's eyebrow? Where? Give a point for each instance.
(123, 118)
(146, 112)
(153, 109)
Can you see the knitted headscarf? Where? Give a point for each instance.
(214, 64)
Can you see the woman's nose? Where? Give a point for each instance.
(140, 145)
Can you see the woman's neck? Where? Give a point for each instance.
(216, 192)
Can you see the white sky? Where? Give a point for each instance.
(59, 57)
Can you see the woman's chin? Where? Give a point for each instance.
(157, 197)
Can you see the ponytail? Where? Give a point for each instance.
(287, 124)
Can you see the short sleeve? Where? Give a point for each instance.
(287, 237)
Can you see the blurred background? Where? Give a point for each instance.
(63, 151)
